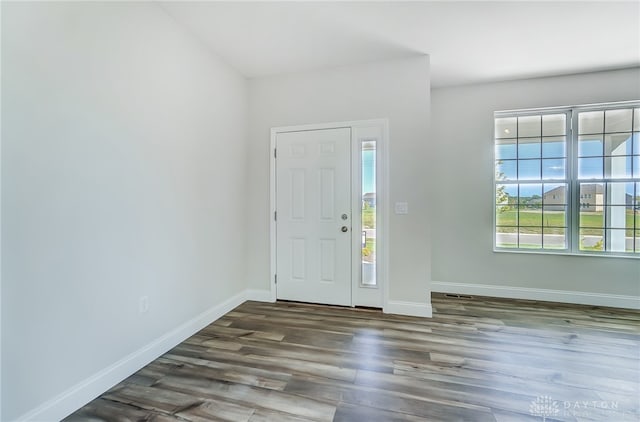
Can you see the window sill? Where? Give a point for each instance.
(567, 253)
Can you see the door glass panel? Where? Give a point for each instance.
(368, 161)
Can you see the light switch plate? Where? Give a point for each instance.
(402, 208)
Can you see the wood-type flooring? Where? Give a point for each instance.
(478, 359)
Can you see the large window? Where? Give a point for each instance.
(568, 180)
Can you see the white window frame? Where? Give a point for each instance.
(574, 203)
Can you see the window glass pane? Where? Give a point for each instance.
(591, 122)
(530, 194)
(506, 170)
(506, 149)
(636, 143)
(637, 239)
(618, 120)
(368, 214)
(590, 168)
(635, 162)
(591, 240)
(591, 197)
(617, 167)
(618, 144)
(618, 241)
(617, 217)
(554, 238)
(592, 217)
(555, 194)
(506, 216)
(554, 124)
(505, 127)
(530, 216)
(530, 238)
(506, 194)
(529, 148)
(507, 237)
(529, 169)
(590, 146)
(529, 126)
(554, 216)
(553, 169)
(619, 193)
(554, 147)
(636, 119)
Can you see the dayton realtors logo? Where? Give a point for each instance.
(546, 407)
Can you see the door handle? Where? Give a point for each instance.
(344, 229)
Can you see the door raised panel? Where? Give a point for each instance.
(298, 259)
(327, 260)
(327, 194)
(297, 190)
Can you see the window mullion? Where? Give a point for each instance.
(574, 187)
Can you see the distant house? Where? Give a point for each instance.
(369, 199)
(591, 198)
(555, 199)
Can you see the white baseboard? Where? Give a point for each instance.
(416, 309)
(259, 295)
(82, 393)
(582, 298)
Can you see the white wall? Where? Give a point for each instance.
(398, 90)
(125, 172)
(462, 133)
(123, 151)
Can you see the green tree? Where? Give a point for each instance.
(502, 197)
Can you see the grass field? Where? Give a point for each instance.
(369, 217)
(532, 221)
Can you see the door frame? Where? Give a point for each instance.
(382, 200)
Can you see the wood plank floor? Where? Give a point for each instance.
(477, 359)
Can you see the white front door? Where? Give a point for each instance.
(313, 208)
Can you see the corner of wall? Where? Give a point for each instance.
(259, 295)
(415, 309)
(80, 394)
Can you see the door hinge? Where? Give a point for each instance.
(275, 216)
(275, 153)
(275, 278)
